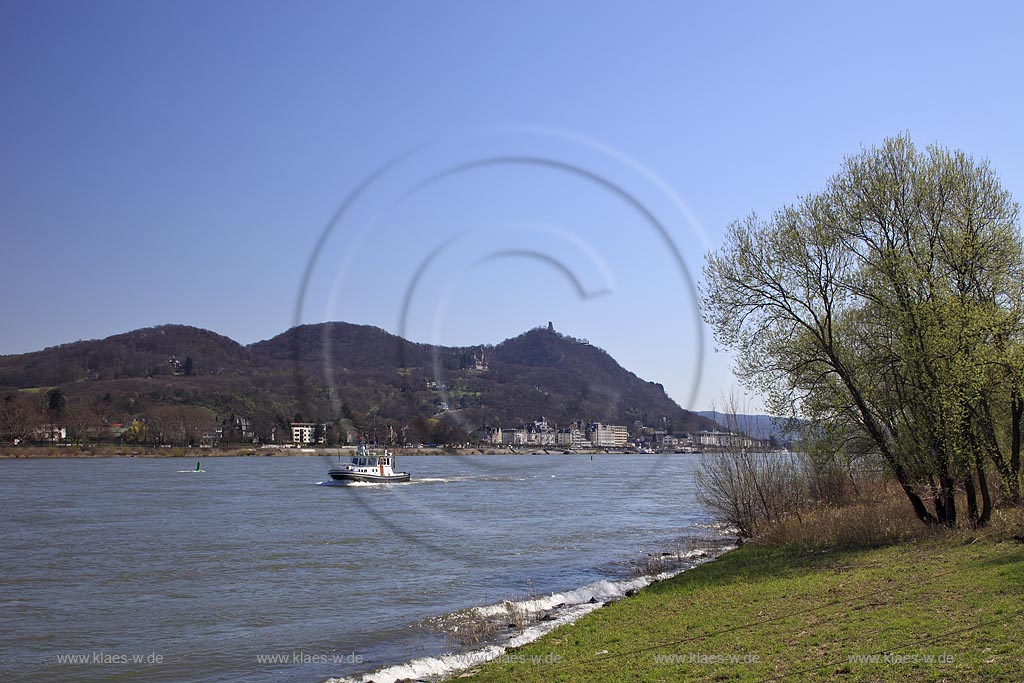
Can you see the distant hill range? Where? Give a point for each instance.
(366, 374)
(757, 426)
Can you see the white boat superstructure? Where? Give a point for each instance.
(368, 466)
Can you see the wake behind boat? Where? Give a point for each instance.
(366, 466)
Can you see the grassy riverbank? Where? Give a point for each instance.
(945, 607)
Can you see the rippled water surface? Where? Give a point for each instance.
(206, 576)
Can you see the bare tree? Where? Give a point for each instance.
(81, 417)
(179, 425)
(742, 483)
(20, 416)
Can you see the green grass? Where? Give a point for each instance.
(799, 615)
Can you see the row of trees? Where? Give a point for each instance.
(52, 416)
(889, 310)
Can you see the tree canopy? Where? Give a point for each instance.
(888, 308)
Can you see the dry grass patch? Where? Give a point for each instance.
(881, 517)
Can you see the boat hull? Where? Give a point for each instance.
(342, 475)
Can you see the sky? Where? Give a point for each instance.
(456, 172)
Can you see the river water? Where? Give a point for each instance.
(257, 570)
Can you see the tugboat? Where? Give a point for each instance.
(374, 468)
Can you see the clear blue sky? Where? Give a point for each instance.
(177, 162)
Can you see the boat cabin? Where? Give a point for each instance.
(372, 460)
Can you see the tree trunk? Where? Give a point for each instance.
(948, 495)
(915, 500)
(1013, 493)
(986, 497)
(972, 499)
(873, 429)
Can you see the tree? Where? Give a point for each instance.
(20, 416)
(268, 424)
(189, 366)
(81, 417)
(889, 306)
(333, 435)
(179, 425)
(54, 403)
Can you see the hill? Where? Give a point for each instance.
(339, 371)
(757, 426)
(146, 352)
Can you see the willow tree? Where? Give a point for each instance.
(889, 306)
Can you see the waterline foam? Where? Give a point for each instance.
(565, 608)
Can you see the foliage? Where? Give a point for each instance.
(888, 308)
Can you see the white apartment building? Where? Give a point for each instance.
(608, 436)
(304, 432)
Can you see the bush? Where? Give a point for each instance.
(749, 490)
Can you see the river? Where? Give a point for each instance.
(256, 570)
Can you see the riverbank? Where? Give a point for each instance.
(937, 608)
(482, 633)
(129, 451)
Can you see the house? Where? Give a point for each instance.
(513, 437)
(50, 433)
(572, 437)
(677, 443)
(485, 434)
(539, 432)
(237, 429)
(309, 432)
(717, 439)
(608, 436)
